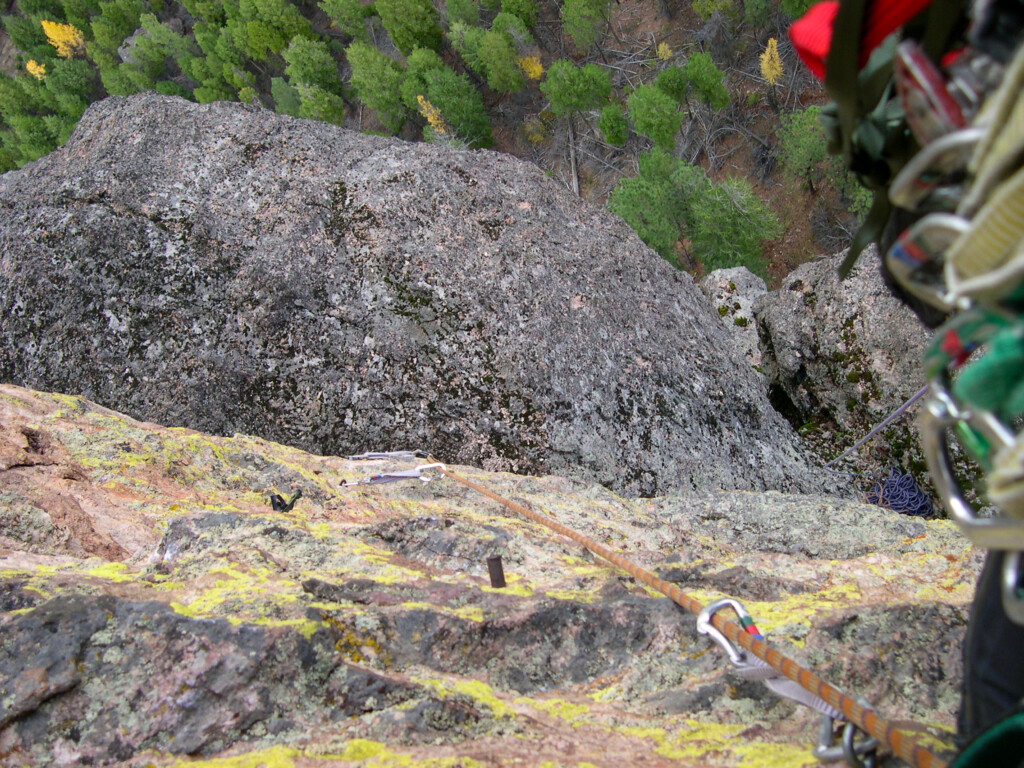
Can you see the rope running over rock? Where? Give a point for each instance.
(902, 744)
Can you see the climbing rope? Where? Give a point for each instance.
(882, 425)
(900, 493)
(865, 718)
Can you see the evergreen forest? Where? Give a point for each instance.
(694, 121)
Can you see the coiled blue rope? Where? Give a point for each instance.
(900, 493)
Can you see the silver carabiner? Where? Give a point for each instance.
(705, 627)
(940, 413)
(860, 754)
(915, 259)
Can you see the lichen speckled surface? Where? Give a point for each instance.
(157, 611)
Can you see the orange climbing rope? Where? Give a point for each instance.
(902, 745)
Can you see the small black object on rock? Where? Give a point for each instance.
(278, 503)
(496, 572)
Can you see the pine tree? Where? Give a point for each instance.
(613, 125)
(66, 39)
(73, 85)
(651, 204)
(514, 29)
(802, 144)
(377, 81)
(414, 83)
(349, 16)
(309, 62)
(573, 89)
(287, 99)
(727, 223)
(771, 71)
(584, 21)
(654, 113)
(670, 199)
(706, 79)
(116, 21)
(771, 64)
(466, 41)
(500, 63)
(460, 104)
(28, 37)
(77, 13)
(794, 9)
(410, 24)
(315, 103)
(526, 10)
(531, 67)
(672, 80)
(464, 11)
(37, 70)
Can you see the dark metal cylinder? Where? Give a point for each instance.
(496, 571)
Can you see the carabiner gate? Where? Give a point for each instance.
(705, 627)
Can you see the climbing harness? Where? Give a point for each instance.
(825, 697)
(975, 362)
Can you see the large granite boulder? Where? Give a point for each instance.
(231, 270)
(840, 355)
(177, 614)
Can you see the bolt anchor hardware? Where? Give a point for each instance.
(496, 572)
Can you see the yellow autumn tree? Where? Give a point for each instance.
(664, 51)
(433, 116)
(771, 70)
(531, 67)
(64, 37)
(37, 70)
(771, 64)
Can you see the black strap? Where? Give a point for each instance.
(869, 232)
(993, 660)
(841, 68)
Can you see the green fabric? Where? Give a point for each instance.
(1001, 746)
(992, 383)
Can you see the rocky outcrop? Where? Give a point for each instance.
(231, 270)
(733, 292)
(840, 355)
(360, 623)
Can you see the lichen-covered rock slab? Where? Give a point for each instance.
(360, 627)
(227, 269)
